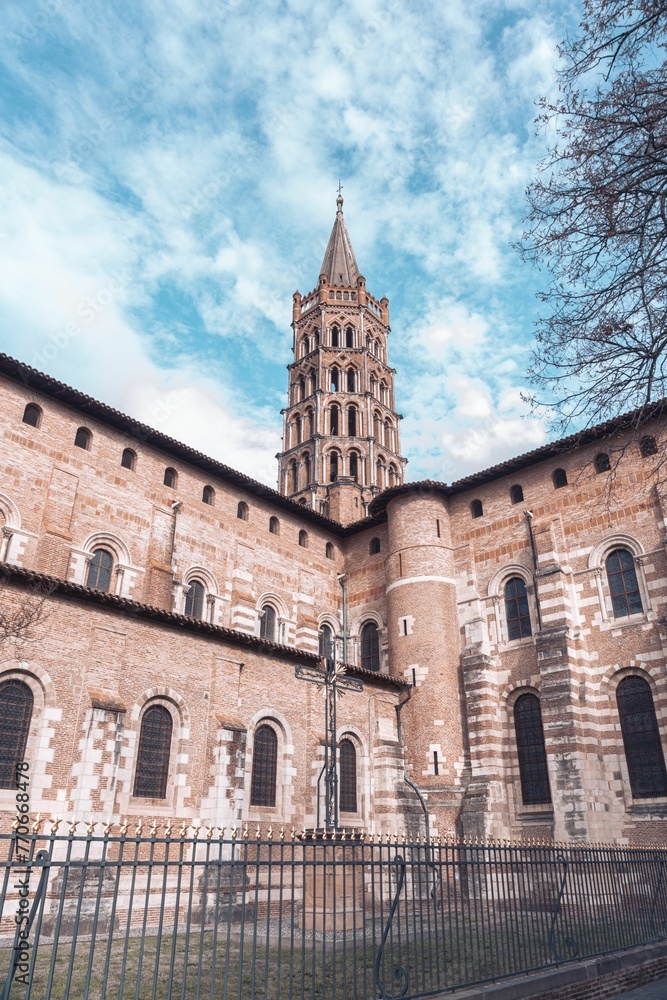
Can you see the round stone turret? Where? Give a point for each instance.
(422, 629)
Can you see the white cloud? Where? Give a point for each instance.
(195, 145)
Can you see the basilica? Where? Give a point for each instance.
(509, 628)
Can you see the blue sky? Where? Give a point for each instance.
(169, 173)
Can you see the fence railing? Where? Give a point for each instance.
(186, 913)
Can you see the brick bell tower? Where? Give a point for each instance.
(341, 431)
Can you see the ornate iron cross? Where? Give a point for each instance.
(331, 679)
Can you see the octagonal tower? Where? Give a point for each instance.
(341, 430)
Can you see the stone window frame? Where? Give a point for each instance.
(597, 562)
(519, 809)
(282, 618)
(361, 817)
(212, 596)
(282, 811)
(632, 805)
(13, 538)
(37, 751)
(123, 571)
(137, 805)
(354, 639)
(328, 618)
(496, 593)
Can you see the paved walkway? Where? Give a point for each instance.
(656, 990)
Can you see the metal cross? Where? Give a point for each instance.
(331, 679)
(340, 186)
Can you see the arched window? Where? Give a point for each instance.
(82, 438)
(623, 584)
(32, 415)
(326, 641)
(293, 476)
(370, 647)
(352, 421)
(274, 525)
(559, 479)
(334, 421)
(302, 388)
(349, 336)
(306, 467)
(476, 508)
(380, 473)
(516, 494)
(393, 475)
(648, 446)
(264, 767)
(16, 704)
(308, 424)
(335, 336)
(242, 510)
(333, 466)
(374, 546)
(602, 463)
(516, 609)
(194, 600)
(99, 570)
(531, 751)
(297, 430)
(128, 459)
(329, 550)
(170, 478)
(388, 435)
(377, 426)
(267, 622)
(641, 739)
(335, 379)
(351, 380)
(150, 781)
(354, 466)
(303, 539)
(348, 776)
(208, 495)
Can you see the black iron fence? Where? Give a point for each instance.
(186, 913)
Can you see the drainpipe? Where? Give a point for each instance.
(398, 708)
(412, 785)
(176, 506)
(529, 521)
(342, 579)
(422, 802)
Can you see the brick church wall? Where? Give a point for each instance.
(435, 590)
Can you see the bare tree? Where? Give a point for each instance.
(21, 616)
(598, 220)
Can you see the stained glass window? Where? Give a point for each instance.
(531, 750)
(150, 781)
(264, 767)
(16, 703)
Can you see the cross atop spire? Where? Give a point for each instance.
(339, 264)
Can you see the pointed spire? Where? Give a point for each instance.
(339, 264)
